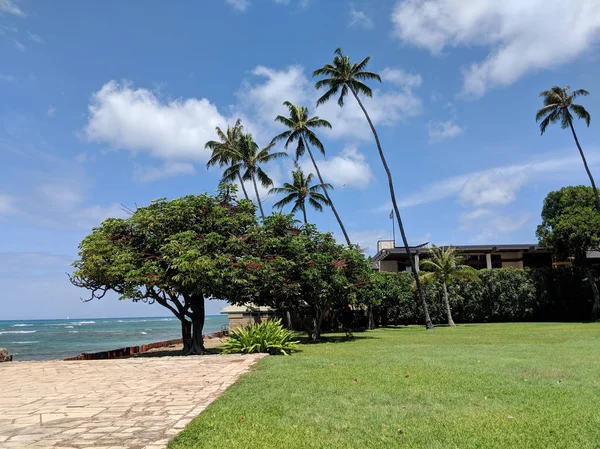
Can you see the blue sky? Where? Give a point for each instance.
(111, 102)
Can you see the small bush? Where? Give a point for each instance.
(270, 337)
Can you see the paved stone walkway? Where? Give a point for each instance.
(131, 403)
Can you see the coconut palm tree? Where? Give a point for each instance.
(558, 106)
(300, 129)
(301, 191)
(342, 76)
(226, 148)
(446, 265)
(248, 160)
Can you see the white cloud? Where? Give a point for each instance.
(360, 19)
(239, 5)
(438, 130)
(167, 170)
(497, 187)
(18, 45)
(35, 38)
(523, 36)
(60, 195)
(401, 77)
(7, 204)
(261, 102)
(493, 230)
(138, 121)
(491, 191)
(474, 215)
(51, 112)
(348, 169)
(9, 7)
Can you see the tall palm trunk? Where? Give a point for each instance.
(243, 186)
(428, 323)
(262, 212)
(447, 304)
(325, 192)
(587, 169)
(304, 214)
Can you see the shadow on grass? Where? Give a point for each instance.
(336, 338)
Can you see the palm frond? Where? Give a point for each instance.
(581, 112)
(264, 179)
(367, 76)
(545, 111)
(285, 201)
(315, 204)
(327, 95)
(579, 92)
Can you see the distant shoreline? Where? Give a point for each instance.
(95, 318)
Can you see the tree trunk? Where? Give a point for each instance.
(243, 186)
(447, 303)
(288, 318)
(186, 335)
(596, 306)
(317, 322)
(262, 212)
(304, 214)
(326, 193)
(370, 318)
(587, 169)
(197, 306)
(428, 323)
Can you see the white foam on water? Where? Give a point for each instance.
(24, 342)
(18, 332)
(68, 327)
(144, 333)
(73, 332)
(79, 323)
(22, 325)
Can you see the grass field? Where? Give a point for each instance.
(473, 386)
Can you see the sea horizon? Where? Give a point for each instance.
(58, 338)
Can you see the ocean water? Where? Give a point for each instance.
(56, 339)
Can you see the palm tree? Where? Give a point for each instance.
(445, 265)
(300, 191)
(226, 148)
(301, 131)
(558, 105)
(248, 159)
(343, 76)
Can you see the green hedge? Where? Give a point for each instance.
(506, 294)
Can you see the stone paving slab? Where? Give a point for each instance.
(111, 404)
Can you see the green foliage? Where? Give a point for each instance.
(503, 294)
(307, 270)
(570, 222)
(559, 106)
(175, 253)
(301, 191)
(269, 337)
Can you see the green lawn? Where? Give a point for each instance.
(474, 386)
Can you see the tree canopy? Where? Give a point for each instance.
(571, 227)
(175, 253)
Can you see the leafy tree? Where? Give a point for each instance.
(175, 253)
(383, 294)
(225, 150)
(570, 228)
(300, 191)
(307, 270)
(445, 265)
(558, 106)
(342, 76)
(301, 130)
(249, 160)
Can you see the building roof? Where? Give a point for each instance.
(400, 252)
(246, 308)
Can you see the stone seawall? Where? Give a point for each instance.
(132, 350)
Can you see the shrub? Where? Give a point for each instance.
(270, 337)
(503, 294)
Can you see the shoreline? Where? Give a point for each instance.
(129, 351)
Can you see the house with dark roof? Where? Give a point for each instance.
(390, 257)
